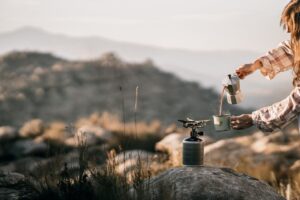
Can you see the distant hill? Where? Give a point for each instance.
(40, 85)
(205, 67)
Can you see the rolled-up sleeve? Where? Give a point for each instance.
(279, 114)
(277, 60)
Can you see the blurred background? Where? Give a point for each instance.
(195, 40)
(123, 73)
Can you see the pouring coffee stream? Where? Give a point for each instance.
(231, 85)
(221, 101)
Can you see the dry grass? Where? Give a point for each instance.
(112, 123)
(58, 182)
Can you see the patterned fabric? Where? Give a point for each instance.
(281, 113)
(277, 60)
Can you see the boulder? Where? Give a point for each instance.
(58, 132)
(89, 135)
(7, 133)
(28, 165)
(97, 131)
(209, 183)
(260, 155)
(28, 147)
(13, 186)
(127, 161)
(294, 171)
(172, 145)
(135, 164)
(32, 128)
(228, 153)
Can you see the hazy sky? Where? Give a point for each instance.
(188, 24)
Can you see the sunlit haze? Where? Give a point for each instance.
(193, 24)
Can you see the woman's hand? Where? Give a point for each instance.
(241, 122)
(247, 69)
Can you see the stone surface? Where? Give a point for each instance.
(226, 152)
(136, 163)
(128, 161)
(89, 135)
(27, 165)
(172, 145)
(294, 170)
(209, 183)
(28, 147)
(14, 187)
(258, 154)
(7, 133)
(32, 128)
(58, 132)
(97, 131)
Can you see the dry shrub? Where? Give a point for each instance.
(58, 181)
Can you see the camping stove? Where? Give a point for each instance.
(193, 147)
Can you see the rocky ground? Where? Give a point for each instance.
(39, 151)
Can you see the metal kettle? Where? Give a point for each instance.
(232, 87)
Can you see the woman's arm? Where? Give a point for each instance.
(271, 117)
(276, 60)
(279, 114)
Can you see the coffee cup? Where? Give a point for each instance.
(222, 122)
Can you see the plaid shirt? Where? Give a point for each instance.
(281, 113)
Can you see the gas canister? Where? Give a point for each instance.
(193, 147)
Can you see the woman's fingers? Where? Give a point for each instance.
(244, 70)
(241, 122)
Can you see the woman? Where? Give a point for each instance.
(286, 56)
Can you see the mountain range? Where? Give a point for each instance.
(40, 85)
(207, 68)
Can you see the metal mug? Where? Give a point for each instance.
(222, 122)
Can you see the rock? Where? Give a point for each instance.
(71, 160)
(226, 153)
(278, 142)
(10, 167)
(89, 135)
(131, 163)
(32, 128)
(260, 155)
(28, 165)
(172, 145)
(294, 171)
(57, 132)
(28, 147)
(13, 186)
(128, 160)
(236, 153)
(97, 131)
(296, 166)
(209, 183)
(98, 153)
(7, 133)
(170, 129)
